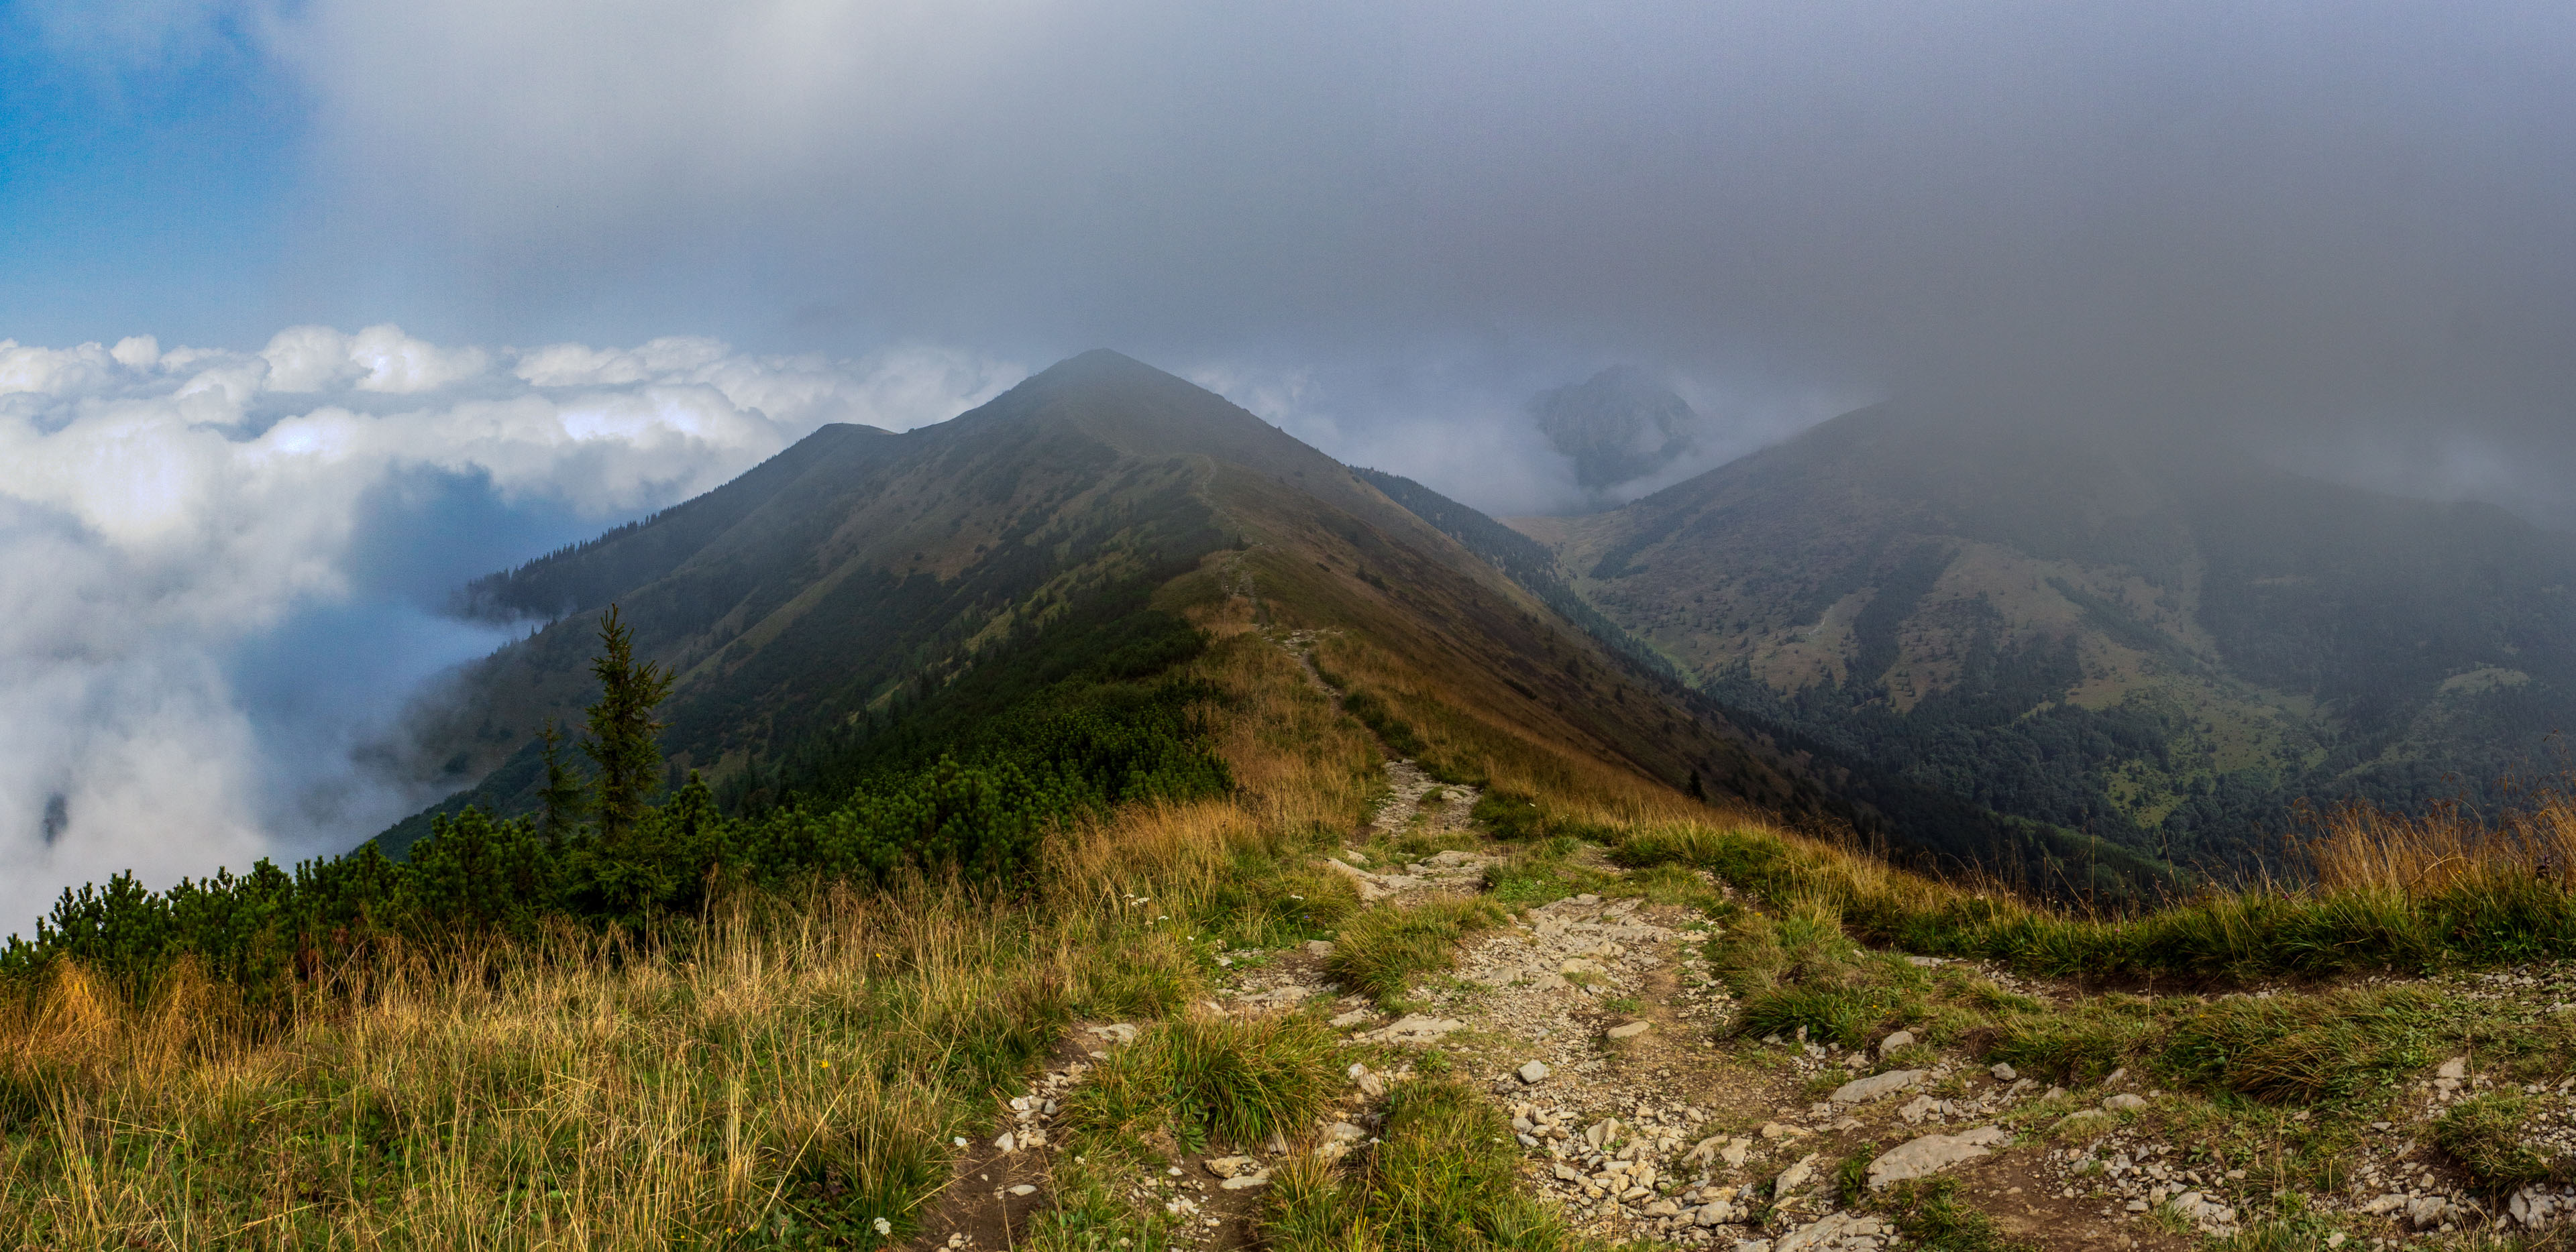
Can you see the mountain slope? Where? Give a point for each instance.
(860, 573)
(2166, 645)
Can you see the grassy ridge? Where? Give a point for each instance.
(794, 1072)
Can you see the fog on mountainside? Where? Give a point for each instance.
(1617, 427)
(228, 568)
(2165, 642)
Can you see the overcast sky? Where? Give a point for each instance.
(2346, 228)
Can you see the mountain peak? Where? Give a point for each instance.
(1142, 411)
(1104, 379)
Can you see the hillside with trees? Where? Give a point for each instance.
(2170, 647)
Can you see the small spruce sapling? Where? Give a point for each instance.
(623, 733)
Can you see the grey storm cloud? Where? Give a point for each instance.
(2344, 232)
(2291, 216)
(1896, 184)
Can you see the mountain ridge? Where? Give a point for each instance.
(861, 571)
(2200, 643)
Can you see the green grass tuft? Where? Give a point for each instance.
(1543, 873)
(2303, 1049)
(2080, 1043)
(1381, 951)
(1516, 817)
(1932, 1216)
(2484, 1134)
(1845, 1015)
(1444, 1179)
(1221, 1080)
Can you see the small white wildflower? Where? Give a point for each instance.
(884, 1227)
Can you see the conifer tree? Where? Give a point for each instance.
(623, 734)
(564, 799)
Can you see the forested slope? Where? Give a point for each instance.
(2168, 646)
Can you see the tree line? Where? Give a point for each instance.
(1049, 743)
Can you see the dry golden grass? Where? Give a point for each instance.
(807, 1063)
(2356, 847)
(784, 1077)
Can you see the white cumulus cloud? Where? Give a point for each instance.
(179, 528)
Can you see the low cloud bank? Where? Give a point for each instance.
(226, 567)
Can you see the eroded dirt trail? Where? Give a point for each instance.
(1596, 1023)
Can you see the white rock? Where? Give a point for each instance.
(1534, 1073)
(1245, 1182)
(2427, 1211)
(1918, 1108)
(1783, 1130)
(1024, 1189)
(1629, 1030)
(1735, 1151)
(2455, 1068)
(2003, 1072)
(1416, 1028)
(1228, 1166)
(1860, 1090)
(1367, 883)
(1795, 1178)
(1007, 1142)
(1931, 1154)
(1831, 1230)
(1356, 1017)
(2123, 1102)
(1319, 948)
(1894, 1040)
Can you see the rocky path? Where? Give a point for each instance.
(1595, 1023)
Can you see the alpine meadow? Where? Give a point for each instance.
(1103, 821)
(1149, 626)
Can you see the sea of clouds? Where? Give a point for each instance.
(226, 570)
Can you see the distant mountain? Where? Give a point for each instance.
(2165, 645)
(1618, 426)
(860, 572)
